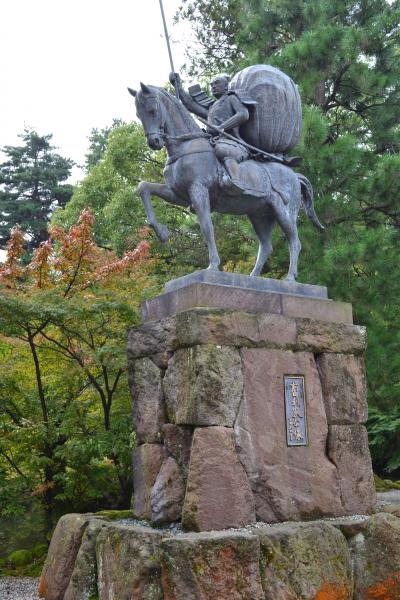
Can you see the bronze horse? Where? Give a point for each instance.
(194, 177)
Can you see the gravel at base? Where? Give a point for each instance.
(18, 588)
(393, 496)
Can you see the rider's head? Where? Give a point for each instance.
(219, 85)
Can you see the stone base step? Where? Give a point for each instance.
(349, 558)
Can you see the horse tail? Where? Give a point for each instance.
(307, 196)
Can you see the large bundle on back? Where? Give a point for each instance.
(275, 121)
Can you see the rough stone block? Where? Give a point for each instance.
(235, 328)
(218, 493)
(289, 483)
(344, 388)
(240, 328)
(348, 450)
(128, 563)
(203, 385)
(178, 444)
(376, 559)
(167, 494)
(61, 556)
(309, 561)
(83, 582)
(317, 336)
(147, 400)
(149, 339)
(211, 566)
(350, 526)
(147, 461)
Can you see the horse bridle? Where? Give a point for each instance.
(161, 133)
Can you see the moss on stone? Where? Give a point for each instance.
(20, 558)
(385, 485)
(24, 563)
(115, 515)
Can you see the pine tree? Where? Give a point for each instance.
(31, 186)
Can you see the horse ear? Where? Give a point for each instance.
(145, 88)
(132, 92)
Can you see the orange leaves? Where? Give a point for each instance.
(333, 592)
(40, 264)
(127, 261)
(76, 251)
(12, 269)
(42, 488)
(69, 261)
(386, 590)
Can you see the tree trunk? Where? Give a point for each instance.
(320, 94)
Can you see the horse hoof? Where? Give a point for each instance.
(213, 267)
(290, 278)
(162, 233)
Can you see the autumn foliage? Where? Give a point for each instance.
(68, 260)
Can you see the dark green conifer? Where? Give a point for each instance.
(31, 186)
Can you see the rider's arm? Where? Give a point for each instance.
(241, 114)
(186, 99)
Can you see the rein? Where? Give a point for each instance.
(186, 137)
(174, 157)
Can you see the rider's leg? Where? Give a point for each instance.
(232, 166)
(231, 154)
(200, 200)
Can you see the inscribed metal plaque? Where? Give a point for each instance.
(295, 407)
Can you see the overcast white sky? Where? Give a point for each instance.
(65, 64)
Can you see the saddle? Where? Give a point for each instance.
(255, 179)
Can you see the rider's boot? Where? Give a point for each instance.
(231, 179)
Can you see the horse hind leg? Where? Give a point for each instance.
(263, 226)
(289, 226)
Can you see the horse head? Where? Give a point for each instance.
(150, 111)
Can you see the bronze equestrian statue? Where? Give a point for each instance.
(261, 110)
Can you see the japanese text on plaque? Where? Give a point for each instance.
(296, 423)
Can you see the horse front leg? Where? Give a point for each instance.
(200, 200)
(146, 190)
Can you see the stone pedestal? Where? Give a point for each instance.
(349, 558)
(207, 370)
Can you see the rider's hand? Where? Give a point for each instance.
(174, 78)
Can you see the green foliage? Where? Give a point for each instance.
(20, 558)
(98, 144)
(384, 432)
(108, 189)
(385, 485)
(31, 186)
(65, 408)
(216, 25)
(24, 563)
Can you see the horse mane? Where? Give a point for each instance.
(190, 123)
